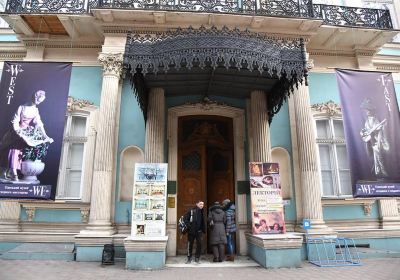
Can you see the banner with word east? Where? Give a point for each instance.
(371, 121)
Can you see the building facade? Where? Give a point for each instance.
(207, 87)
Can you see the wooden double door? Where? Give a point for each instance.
(205, 165)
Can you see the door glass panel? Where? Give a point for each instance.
(191, 161)
(220, 163)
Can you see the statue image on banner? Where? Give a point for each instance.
(374, 135)
(371, 121)
(33, 103)
(26, 140)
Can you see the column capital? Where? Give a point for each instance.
(112, 63)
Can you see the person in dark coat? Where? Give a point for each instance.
(195, 219)
(217, 238)
(230, 208)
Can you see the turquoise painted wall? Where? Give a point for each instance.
(53, 216)
(323, 87)
(349, 212)
(86, 83)
(280, 129)
(8, 38)
(280, 137)
(388, 51)
(131, 133)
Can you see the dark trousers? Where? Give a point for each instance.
(191, 238)
(218, 252)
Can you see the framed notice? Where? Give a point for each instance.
(149, 199)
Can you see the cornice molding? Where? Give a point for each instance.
(10, 55)
(66, 45)
(388, 67)
(122, 29)
(339, 53)
(365, 52)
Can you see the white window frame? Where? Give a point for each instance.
(79, 108)
(332, 142)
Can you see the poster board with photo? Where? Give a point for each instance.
(149, 199)
(266, 198)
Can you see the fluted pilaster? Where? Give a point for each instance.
(389, 213)
(260, 127)
(9, 216)
(100, 209)
(155, 126)
(308, 159)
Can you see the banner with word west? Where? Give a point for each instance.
(371, 121)
(33, 104)
(149, 199)
(266, 198)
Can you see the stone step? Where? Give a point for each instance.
(41, 251)
(370, 253)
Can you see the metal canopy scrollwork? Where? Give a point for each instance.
(280, 59)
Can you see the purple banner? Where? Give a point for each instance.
(33, 103)
(372, 124)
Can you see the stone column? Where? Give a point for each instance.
(389, 214)
(260, 127)
(105, 153)
(9, 216)
(308, 159)
(155, 127)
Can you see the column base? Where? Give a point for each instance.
(101, 229)
(9, 226)
(318, 227)
(145, 252)
(276, 250)
(390, 222)
(89, 248)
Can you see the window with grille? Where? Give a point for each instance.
(334, 164)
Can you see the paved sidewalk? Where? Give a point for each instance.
(373, 269)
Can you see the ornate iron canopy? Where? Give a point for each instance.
(282, 60)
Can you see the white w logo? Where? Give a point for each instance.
(15, 69)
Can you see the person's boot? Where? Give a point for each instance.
(232, 258)
(189, 260)
(228, 258)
